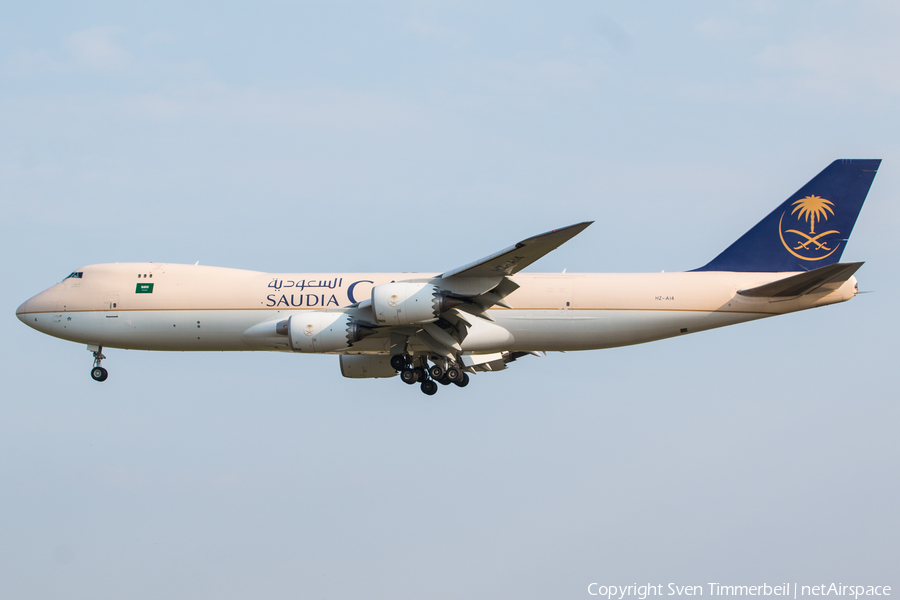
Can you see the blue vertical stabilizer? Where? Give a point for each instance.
(810, 229)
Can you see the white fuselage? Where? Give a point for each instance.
(193, 307)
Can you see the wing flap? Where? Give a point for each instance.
(804, 283)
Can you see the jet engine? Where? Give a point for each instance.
(407, 303)
(321, 331)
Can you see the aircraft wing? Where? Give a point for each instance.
(804, 283)
(515, 258)
(467, 293)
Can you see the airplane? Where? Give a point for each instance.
(440, 328)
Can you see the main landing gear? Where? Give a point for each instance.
(98, 373)
(416, 370)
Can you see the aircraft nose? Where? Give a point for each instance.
(32, 311)
(20, 312)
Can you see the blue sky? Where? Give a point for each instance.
(419, 136)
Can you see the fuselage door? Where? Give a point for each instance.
(111, 305)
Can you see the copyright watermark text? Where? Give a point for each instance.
(643, 591)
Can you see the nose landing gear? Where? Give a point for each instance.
(98, 373)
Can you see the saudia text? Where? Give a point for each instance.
(287, 297)
(298, 300)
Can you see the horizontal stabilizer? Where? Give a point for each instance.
(804, 283)
(515, 258)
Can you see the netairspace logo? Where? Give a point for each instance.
(642, 592)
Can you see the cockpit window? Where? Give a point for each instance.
(75, 275)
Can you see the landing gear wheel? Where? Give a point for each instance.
(420, 374)
(464, 381)
(444, 380)
(399, 362)
(436, 372)
(99, 374)
(429, 387)
(409, 376)
(454, 374)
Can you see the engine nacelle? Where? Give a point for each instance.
(407, 303)
(321, 331)
(360, 366)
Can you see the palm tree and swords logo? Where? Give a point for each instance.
(809, 246)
